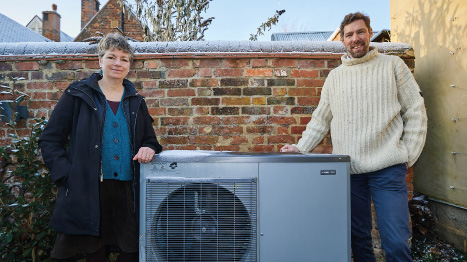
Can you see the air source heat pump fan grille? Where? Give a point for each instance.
(212, 220)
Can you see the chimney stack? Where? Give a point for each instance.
(88, 9)
(51, 24)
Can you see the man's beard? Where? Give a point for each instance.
(358, 54)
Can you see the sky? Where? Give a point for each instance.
(234, 19)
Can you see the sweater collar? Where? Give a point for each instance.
(355, 61)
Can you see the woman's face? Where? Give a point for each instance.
(115, 64)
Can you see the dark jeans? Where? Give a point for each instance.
(388, 190)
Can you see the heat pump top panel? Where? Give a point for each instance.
(191, 156)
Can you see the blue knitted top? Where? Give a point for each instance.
(116, 152)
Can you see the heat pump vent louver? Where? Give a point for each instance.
(212, 220)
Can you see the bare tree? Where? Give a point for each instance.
(267, 25)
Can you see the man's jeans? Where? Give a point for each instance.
(388, 189)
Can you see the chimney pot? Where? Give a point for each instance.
(54, 7)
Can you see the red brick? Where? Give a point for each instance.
(282, 120)
(310, 63)
(206, 120)
(228, 130)
(62, 85)
(262, 148)
(236, 63)
(94, 64)
(210, 140)
(181, 92)
(308, 101)
(308, 91)
(40, 85)
(220, 72)
(204, 72)
(280, 139)
(38, 96)
(207, 82)
(260, 129)
(70, 65)
(158, 111)
(258, 62)
(184, 111)
(258, 140)
(304, 73)
(173, 121)
(174, 140)
(238, 140)
(284, 63)
(204, 101)
(235, 120)
(258, 72)
(282, 130)
(151, 93)
(227, 148)
(151, 64)
(297, 129)
(210, 63)
(305, 120)
(26, 66)
(174, 102)
(137, 64)
(181, 130)
(310, 82)
(150, 84)
(280, 110)
(202, 110)
(181, 73)
(175, 63)
(279, 91)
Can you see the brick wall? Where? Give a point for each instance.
(248, 99)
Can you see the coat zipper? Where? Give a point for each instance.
(101, 175)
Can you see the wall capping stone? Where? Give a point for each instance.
(198, 49)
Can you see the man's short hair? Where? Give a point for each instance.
(353, 17)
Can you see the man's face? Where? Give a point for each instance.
(357, 38)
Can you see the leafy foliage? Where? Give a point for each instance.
(26, 194)
(267, 25)
(170, 20)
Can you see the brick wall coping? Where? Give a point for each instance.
(199, 49)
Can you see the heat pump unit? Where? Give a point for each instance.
(244, 207)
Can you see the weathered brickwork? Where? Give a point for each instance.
(246, 102)
(108, 17)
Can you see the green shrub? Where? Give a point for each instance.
(27, 200)
(27, 195)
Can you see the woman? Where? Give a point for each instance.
(97, 128)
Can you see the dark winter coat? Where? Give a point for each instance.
(71, 147)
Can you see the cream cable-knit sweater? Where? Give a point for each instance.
(375, 111)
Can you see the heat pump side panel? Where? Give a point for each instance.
(304, 212)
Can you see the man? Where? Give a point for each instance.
(377, 116)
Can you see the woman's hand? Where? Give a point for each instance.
(144, 155)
